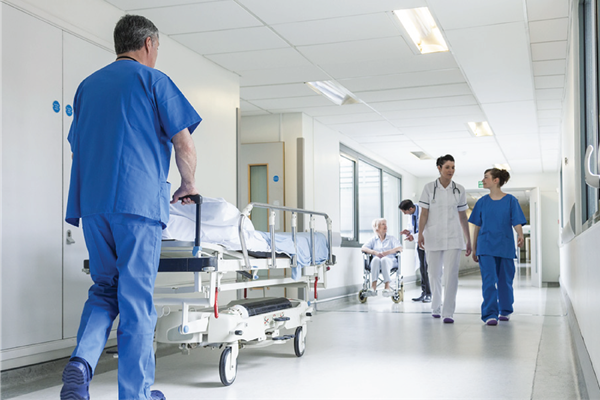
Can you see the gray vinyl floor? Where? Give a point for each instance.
(381, 350)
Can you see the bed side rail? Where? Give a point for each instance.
(295, 211)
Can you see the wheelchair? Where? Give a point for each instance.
(396, 280)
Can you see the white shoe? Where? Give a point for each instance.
(387, 292)
(371, 293)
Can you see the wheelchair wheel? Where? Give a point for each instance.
(397, 298)
(362, 296)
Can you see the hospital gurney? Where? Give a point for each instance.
(189, 314)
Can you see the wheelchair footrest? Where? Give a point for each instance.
(284, 337)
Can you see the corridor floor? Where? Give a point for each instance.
(381, 350)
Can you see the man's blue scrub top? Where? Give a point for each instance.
(125, 116)
(496, 219)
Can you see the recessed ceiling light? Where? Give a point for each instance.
(422, 29)
(480, 129)
(421, 155)
(334, 92)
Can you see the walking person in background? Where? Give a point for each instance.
(494, 216)
(443, 230)
(409, 208)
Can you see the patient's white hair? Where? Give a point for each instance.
(376, 223)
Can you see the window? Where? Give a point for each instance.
(368, 191)
(347, 206)
(588, 62)
(369, 199)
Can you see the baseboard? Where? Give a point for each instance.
(582, 355)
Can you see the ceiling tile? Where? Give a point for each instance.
(547, 9)
(345, 29)
(415, 93)
(549, 94)
(370, 68)
(425, 103)
(460, 14)
(232, 40)
(549, 129)
(551, 67)
(549, 121)
(200, 17)
(275, 91)
(277, 11)
(358, 129)
(549, 113)
(392, 48)
(549, 30)
(349, 118)
(389, 140)
(411, 79)
(331, 110)
(471, 111)
(549, 82)
(495, 60)
(129, 5)
(549, 51)
(511, 118)
(438, 120)
(276, 76)
(549, 105)
(292, 102)
(263, 59)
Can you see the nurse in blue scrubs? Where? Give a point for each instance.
(494, 216)
(128, 117)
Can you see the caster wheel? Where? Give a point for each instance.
(362, 296)
(299, 342)
(227, 367)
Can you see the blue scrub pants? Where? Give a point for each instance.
(124, 252)
(497, 275)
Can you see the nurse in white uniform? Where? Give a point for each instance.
(443, 231)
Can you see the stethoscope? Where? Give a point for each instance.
(454, 190)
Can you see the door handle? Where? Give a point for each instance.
(591, 179)
(70, 239)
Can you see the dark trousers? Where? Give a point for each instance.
(425, 288)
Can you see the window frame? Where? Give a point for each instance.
(357, 157)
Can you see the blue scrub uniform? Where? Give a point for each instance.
(125, 116)
(496, 251)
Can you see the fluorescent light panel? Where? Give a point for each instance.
(334, 92)
(421, 155)
(502, 166)
(480, 129)
(422, 29)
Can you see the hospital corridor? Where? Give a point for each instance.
(299, 199)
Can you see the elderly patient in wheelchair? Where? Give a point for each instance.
(382, 249)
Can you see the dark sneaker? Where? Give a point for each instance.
(76, 382)
(491, 322)
(157, 395)
(448, 321)
(436, 315)
(504, 317)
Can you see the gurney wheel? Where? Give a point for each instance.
(227, 367)
(299, 342)
(362, 296)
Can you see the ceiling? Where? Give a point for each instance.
(506, 65)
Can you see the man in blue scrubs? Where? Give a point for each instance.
(127, 118)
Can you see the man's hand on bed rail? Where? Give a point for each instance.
(184, 193)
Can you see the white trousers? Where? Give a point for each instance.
(381, 264)
(443, 263)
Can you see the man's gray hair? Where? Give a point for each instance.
(131, 32)
(376, 223)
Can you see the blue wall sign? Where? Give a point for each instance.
(56, 106)
(276, 178)
(69, 110)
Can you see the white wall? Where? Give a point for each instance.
(579, 272)
(213, 91)
(321, 186)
